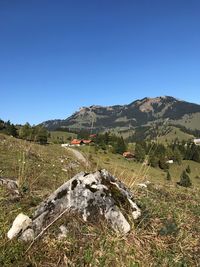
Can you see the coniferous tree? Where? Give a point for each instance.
(139, 153)
(182, 149)
(106, 138)
(177, 155)
(161, 150)
(153, 160)
(191, 152)
(26, 132)
(83, 134)
(11, 130)
(162, 163)
(196, 155)
(184, 180)
(41, 135)
(188, 170)
(169, 152)
(2, 125)
(120, 146)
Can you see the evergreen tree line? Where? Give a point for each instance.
(158, 154)
(194, 132)
(8, 128)
(27, 132)
(149, 132)
(33, 133)
(106, 140)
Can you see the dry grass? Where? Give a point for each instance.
(167, 234)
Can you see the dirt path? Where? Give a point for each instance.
(78, 155)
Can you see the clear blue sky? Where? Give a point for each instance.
(59, 55)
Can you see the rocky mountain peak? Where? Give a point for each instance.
(148, 104)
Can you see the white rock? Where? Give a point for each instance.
(136, 213)
(20, 223)
(63, 233)
(90, 195)
(142, 185)
(117, 219)
(27, 235)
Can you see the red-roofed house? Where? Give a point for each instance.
(76, 142)
(128, 155)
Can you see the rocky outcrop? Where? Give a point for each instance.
(93, 196)
(12, 186)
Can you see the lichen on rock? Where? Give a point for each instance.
(93, 196)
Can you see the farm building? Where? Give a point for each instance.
(170, 161)
(197, 141)
(128, 155)
(76, 142)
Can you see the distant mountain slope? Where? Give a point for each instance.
(137, 113)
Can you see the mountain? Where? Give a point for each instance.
(138, 113)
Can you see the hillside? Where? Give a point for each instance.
(163, 133)
(137, 113)
(167, 234)
(175, 133)
(60, 137)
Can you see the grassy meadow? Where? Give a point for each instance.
(173, 134)
(167, 234)
(61, 137)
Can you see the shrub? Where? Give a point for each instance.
(184, 180)
(188, 170)
(168, 176)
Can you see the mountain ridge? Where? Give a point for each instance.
(138, 113)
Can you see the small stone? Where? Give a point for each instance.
(63, 233)
(27, 235)
(142, 185)
(20, 223)
(118, 221)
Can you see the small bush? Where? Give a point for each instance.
(169, 228)
(184, 180)
(168, 176)
(188, 170)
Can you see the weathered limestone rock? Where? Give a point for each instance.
(93, 196)
(20, 224)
